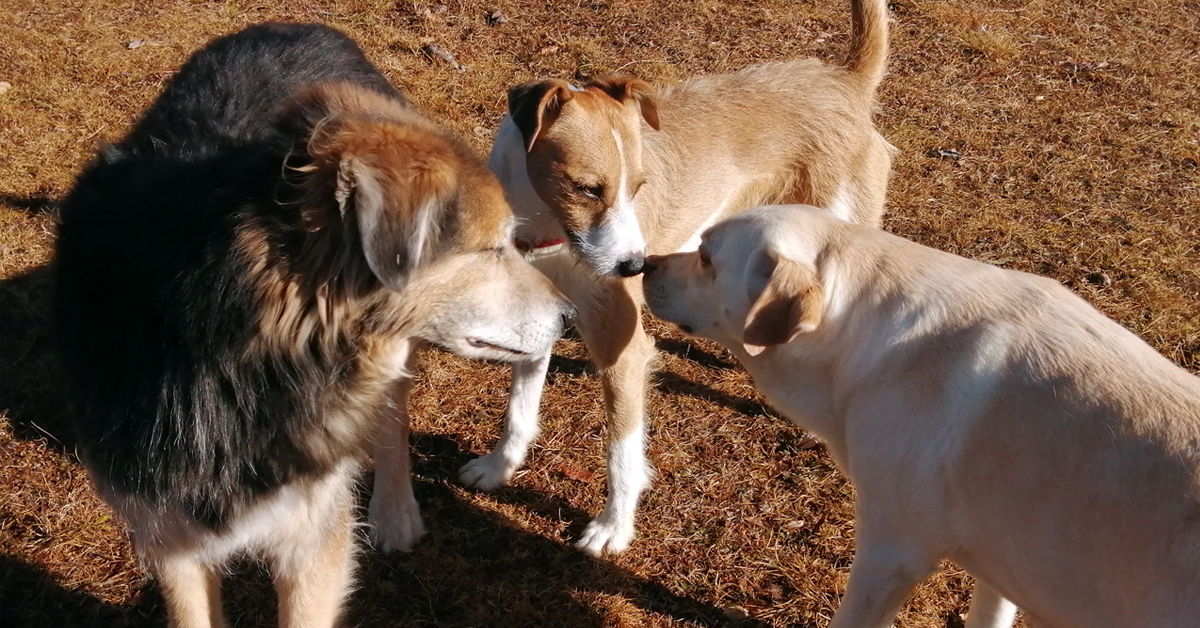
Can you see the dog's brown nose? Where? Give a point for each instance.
(631, 266)
(648, 265)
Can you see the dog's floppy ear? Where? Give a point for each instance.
(394, 178)
(789, 305)
(625, 88)
(398, 214)
(535, 106)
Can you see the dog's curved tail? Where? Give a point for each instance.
(868, 42)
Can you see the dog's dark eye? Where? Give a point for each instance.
(593, 192)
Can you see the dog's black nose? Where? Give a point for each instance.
(568, 317)
(631, 266)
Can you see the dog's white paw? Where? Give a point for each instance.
(606, 535)
(487, 472)
(395, 527)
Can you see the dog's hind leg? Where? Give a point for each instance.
(989, 609)
(311, 551)
(520, 428)
(611, 326)
(192, 591)
(394, 516)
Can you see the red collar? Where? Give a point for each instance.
(540, 244)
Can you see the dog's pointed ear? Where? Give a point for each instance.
(625, 88)
(398, 215)
(791, 303)
(533, 107)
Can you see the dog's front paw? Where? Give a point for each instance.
(606, 535)
(487, 472)
(395, 524)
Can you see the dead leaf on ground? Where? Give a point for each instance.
(575, 473)
(435, 51)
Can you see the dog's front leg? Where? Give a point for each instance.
(611, 326)
(312, 555)
(520, 428)
(394, 516)
(884, 572)
(192, 591)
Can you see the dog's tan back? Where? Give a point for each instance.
(771, 133)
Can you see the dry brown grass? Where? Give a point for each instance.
(1079, 142)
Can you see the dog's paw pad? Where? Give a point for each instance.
(395, 528)
(602, 536)
(487, 472)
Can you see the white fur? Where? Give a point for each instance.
(618, 237)
(423, 231)
(520, 429)
(989, 609)
(629, 475)
(842, 204)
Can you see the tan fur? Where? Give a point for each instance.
(796, 131)
(791, 304)
(192, 592)
(985, 416)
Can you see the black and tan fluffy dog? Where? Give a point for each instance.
(242, 282)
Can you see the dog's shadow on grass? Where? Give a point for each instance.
(30, 391)
(473, 568)
(674, 383)
(477, 568)
(30, 598)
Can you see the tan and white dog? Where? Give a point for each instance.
(986, 416)
(604, 173)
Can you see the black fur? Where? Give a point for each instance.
(153, 307)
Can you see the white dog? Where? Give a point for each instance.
(986, 416)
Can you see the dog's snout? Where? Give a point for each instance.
(632, 266)
(650, 264)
